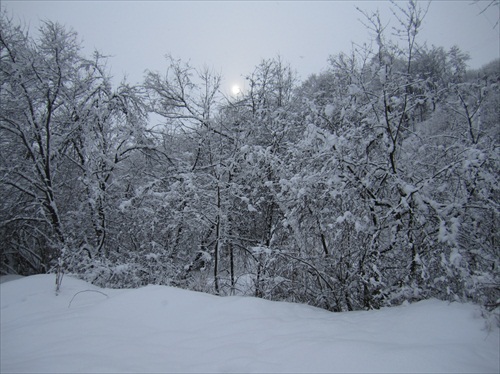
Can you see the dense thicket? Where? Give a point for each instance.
(366, 185)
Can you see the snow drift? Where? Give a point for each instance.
(164, 329)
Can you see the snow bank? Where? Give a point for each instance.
(10, 277)
(163, 329)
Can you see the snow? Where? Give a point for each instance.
(164, 329)
(329, 110)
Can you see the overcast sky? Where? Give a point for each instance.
(233, 36)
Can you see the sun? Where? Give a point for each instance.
(235, 89)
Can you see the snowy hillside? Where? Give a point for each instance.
(163, 329)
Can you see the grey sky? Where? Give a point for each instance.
(233, 36)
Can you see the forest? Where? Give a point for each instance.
(369, 184)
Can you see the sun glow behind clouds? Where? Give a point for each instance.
(235, 89)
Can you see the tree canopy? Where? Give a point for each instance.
(368, 184)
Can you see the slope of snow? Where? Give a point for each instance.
(164, 329)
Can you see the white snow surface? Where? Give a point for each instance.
(164, 329)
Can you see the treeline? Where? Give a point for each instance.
(366, 185)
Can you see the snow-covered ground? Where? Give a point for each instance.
(164, 329)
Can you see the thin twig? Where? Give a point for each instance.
(102, 293)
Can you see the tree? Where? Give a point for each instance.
(186, 99)
(63, 131)
(37, 80)
(371, 183)
(489, 4)
(387, 165)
